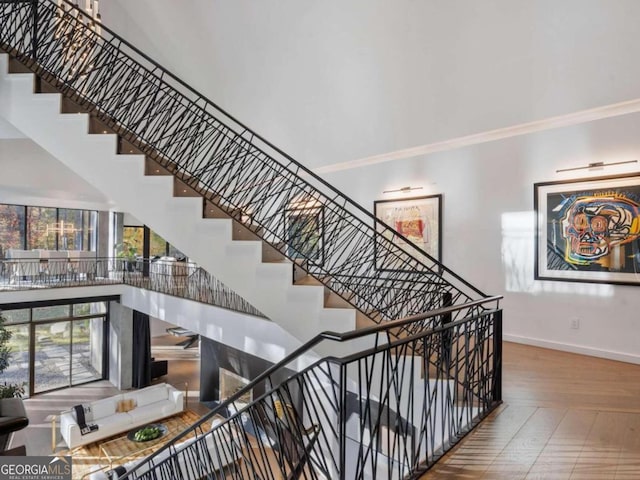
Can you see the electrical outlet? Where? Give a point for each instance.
(575, 323)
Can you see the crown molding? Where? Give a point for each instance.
(576, 118)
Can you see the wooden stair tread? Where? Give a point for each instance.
(308, 280)
(188, 186)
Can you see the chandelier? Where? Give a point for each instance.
(62, 228)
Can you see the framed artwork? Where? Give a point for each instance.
(418, 219)
(588, 230)
(305, 233)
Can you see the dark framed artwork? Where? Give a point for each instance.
(305, 233)
(418, 219)
(588, 230)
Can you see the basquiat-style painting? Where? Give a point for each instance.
(589, 230)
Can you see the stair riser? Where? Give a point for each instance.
(122, 178)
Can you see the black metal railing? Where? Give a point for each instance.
(181, 279)
(380, 412)
(370, 265)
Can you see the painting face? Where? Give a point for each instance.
(589, 230)
(594, 224)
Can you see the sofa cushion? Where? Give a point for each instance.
(151, 412)
(114, 422)
(150, 395)
(104, 408)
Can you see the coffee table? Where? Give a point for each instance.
(122, 450)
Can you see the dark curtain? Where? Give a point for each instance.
(141, 350)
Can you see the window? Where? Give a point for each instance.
(84, 309)
(18, 371)
(41, 232)
(132, 240)
(54, 311)
(159, 247)
(25, 227)
(89, 230)
(17, 316)
(57, 349)
(12, 227)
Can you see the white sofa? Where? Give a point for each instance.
(223, 449)
(151, 404)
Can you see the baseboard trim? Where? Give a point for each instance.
(567, 347)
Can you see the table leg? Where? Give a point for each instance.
(53, 433)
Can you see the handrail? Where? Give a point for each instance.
(341, 338)
(373, 267)
(299, 165)
(480, 329)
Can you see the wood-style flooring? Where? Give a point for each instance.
(564, 416)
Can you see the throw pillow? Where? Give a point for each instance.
(126, 405)
(88, 413)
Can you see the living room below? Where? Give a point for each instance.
(183, 372)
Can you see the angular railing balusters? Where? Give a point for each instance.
(381, 412)
(257, 184)
(230, 165)
(191, 282)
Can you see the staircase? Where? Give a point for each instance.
(213, 242)
(300, 251)
(426, 368)
(379, 412)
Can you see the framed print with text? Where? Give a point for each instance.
(418, 219)
(588, 230)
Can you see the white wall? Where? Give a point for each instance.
(8, 131)
(31, 176)
(159, 327)
(488, 229)
(253, 335)
(332, 81)
(120, 345)
(256, 336)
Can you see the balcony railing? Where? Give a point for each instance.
(382, 412)
(181, 279)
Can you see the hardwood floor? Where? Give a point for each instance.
(564, 416)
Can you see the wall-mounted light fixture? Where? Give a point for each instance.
(403, 190)
(596, 165)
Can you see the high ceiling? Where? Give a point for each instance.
(8, 131)
(31, 176)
